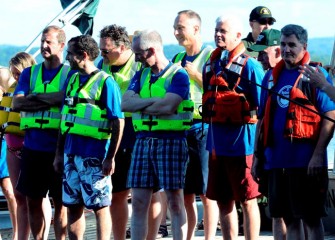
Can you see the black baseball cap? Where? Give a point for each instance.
(267, 38)
(259, 13)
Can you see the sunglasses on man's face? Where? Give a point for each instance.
(104, 51)
(265, 21)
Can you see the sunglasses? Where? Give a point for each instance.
(264, 21)
(105, 51)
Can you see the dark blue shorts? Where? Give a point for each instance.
(197, 168)
(292, 193)
(158, 163)
(38, 177)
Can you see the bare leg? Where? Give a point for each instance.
(155, 216)
(178, 214)
(141, 198)
(164, 208)
(104, 223)
(23, 228)
(7, 190)
(278, 229)
(39, 222)
(119, 212)
(251, 219)
(295, 230)
(60, 219)
(191, 213)
(76, 222)
(229, 220)
(211, 217)
(314, 229)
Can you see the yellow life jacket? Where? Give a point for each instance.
(124, 75)
(195, 89)
(9, 119)
(48, 119)
(82, 113)
(181, 120)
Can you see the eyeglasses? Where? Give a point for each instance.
(265, 21)
(105, 51)
(141, 52)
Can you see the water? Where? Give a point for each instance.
(330, 154)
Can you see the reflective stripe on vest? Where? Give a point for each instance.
(48, 119)
(195, 89)
(9, 119)
(124, 75)
(181, 120)
(83, 118)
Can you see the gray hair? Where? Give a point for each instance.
(149, 38)
(234, 22)
(298, 31)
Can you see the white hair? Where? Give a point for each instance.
(235, 22)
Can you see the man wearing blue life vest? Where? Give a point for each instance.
(158, 97)
(119, 61)
(91, 127)
(230, 104)
(295, 139)
(187, 30)
(38, 96)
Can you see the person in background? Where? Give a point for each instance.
(158, 97)
(187, 30)
(91, 130)
(295, 150)
(268, 48)
(232, 76)
(14, 138)
(38, 96)
(6, 79)
(260, 19)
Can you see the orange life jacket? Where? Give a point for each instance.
(220, 102)
(301, 123)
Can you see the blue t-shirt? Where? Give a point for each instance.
(92, 147)
(39, 139)
(180, 85)
(233, 140)
(283, 153)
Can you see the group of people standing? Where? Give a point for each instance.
(203, 123)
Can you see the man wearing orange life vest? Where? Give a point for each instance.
(295, 146)
(230, 102)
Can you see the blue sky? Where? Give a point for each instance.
(22, 20)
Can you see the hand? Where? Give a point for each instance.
(316, 78)
(58, 163)
(316, 166)
(108, 166)
(191, 69)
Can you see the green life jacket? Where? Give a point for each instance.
(83, 113)
(47, 119)
(181, 120)
(124, 75)
(195, 89)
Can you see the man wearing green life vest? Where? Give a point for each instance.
(92, 125)
(38, 96)
(158, 97)
(118, 60)
(187, 28)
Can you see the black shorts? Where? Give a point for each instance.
(38, 177)
(294, 194)
(122, 164)
(197, 169)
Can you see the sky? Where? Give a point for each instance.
(21, 20)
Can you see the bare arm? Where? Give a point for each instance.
(59, 157)
(53, 99)
(108, 165)
(164, 106)
(315, 165)
(26, 103)
(131, 102)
